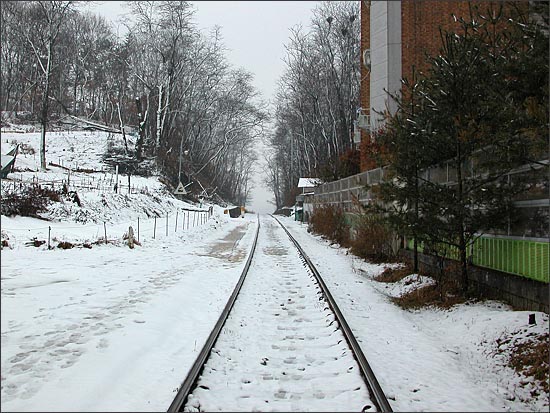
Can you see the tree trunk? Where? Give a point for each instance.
(139, 143)
(462, 237)
(159, 113)
(44, 110)
(165, 110)
(121, 123)
(415, 254)
(463, 263)
(416, 218)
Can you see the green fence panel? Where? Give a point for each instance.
(530, 259)
(526, 258)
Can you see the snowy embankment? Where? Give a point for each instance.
(107, 327)
(430, 359)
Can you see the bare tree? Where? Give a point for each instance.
(318, 96)
(46, 20)
(165, 77)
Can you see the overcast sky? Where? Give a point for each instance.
(255, 33)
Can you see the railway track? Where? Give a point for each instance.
(284, 345)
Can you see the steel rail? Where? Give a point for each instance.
(188, 384)
(375, 390)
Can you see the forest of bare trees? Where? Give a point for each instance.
(316, 103)
(193, 115)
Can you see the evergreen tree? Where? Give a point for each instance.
(404, 140)
(481, 110)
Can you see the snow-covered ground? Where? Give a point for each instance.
(110, 328)
(431, 359)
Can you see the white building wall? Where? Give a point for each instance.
(385, 43)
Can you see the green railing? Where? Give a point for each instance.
(530, 259)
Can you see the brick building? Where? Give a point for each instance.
(395, 37)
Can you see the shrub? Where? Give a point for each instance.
(374, 240)
(24, 148)
(28, 202)
(35, 242)
(329, 222)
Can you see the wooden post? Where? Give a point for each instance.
(176, 226)
(116, 181)
(188, 212)
(105, 229)
(49, 232)
(155, 228)
(167, 224)
(194, 217)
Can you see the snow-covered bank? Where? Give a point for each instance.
(109, 328)
(431, 359)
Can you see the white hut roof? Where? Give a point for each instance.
(308, 182)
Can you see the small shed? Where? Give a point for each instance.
(234, 211)
(7, 162)
(308, 184)
(304, 201)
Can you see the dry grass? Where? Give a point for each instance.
(531, 359)
(432, 295)
(391, 275)
(444, 294)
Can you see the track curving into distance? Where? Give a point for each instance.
(283, 345)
